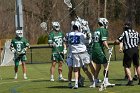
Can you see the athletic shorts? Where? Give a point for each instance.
(80, 59)
(17, 59)
(98, 56)
(57, 57)
(131, 55)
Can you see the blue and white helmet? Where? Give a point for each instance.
(103, 21)
(19, 33)
(56, 26)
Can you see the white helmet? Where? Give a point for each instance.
(76, 23)
(19, 33)
(84, 23)
(56, 26)
(103, 21)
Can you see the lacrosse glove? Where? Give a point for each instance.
(110, 51)
(64, 51)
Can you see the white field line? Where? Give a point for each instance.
(16, 81)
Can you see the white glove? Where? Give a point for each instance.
(65, 51)
(110, 51)
(23, 51)
(13, 50)
(88, 35)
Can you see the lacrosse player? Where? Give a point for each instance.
(19, 47)
(58, 50)
(98, 56)
(80, 57)
(85, 29)
(70, 62)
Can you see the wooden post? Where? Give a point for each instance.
(98, 8)
(0, 50)
(105, 8)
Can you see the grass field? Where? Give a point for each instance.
(38, 81)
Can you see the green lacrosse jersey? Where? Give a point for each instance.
(19, 43)
(98, 55)
(100, 35)
(57, 39)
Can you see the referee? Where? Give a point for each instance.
(130, 40)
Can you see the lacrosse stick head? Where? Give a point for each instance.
(43, 25)
(68, 3)
(102, 87)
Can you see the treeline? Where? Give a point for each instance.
(37, 11)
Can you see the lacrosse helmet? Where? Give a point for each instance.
(103, 22)
(76, 25)
(19, 33)
(56, 26)
(84, 22)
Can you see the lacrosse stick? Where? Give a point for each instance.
(43, 25)
(103, 85)
(68, 3)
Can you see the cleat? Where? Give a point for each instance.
(25, 77)
(73, 80)
(135, 78)
(15, 77)
(107, 84)
(62, 79)
(130, 83)
(92, 85)
(52, 79)
(70, 85)
(75, 87)
(139, 83)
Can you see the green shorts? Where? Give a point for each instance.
(57, 57)
(19, 58)
(98, 56)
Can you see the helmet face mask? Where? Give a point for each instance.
(104, 22)
(56, 26)
(19, 33)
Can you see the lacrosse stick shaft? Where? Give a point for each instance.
(107, 67)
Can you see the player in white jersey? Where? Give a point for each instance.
(76, 40)
(69, 61)
(86, 30)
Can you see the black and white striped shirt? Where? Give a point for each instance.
(130, 39)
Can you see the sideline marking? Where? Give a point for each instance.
(19, 81)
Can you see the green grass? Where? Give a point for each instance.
(38, 81)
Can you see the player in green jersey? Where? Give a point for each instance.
(99, 42)
(58, 49)
(19, 47)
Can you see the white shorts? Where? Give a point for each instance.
(80, 59)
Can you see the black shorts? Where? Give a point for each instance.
(131, 55)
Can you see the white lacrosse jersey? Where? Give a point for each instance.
(76, 40)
